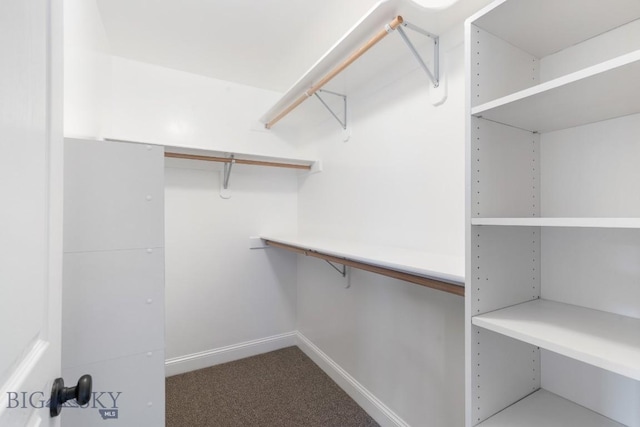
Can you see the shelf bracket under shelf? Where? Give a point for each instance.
(342, 122)
(435, 75)
(342, 271)
(227, 172)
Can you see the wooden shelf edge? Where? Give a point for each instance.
(236, 160)
(395, 274)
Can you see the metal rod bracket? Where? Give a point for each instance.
(435, 75)
(227, 172)
(342, 122)
(342, 271)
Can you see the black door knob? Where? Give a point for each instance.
(61, 394)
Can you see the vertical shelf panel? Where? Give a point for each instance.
(109, 291)
(113, 281)
(505, 171)
(505, 371)
(498, 68)
(499, 258)
(114, 196)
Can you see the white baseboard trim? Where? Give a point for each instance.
(363, 397)
(367, 400)
(216, 356)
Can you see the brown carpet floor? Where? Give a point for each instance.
(283, 388)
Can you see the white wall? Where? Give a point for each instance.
(164, 106)
(220, 294)
(398, 181)
(111, 97)
(223, 300)
(87, 68)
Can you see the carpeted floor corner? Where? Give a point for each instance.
(283, 388)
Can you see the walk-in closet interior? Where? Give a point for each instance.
(435, 200)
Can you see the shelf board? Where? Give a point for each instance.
(604, 91)
(560, 222)
(435, 20)
(605, 340)
(556, 24)
(440, 267)
(192, 151)
(543, 408)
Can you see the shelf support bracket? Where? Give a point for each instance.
(227, 172)
(435, 75)
(342, 271)
(342, 122)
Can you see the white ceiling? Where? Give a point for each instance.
(262, 43)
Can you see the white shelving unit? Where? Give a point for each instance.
(553, 288)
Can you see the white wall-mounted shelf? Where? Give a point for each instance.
(438, 267)
(433, 20)
(605, 340)
(560, 222)
(556, 24)
(604, 91)
(307, 165)
(543, 408)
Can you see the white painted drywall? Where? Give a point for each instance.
(398, 180)
(219, 292)
(164, 106)
(87, 67)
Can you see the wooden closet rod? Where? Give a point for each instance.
(237, 161)
(357, 54)
(407, 277)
